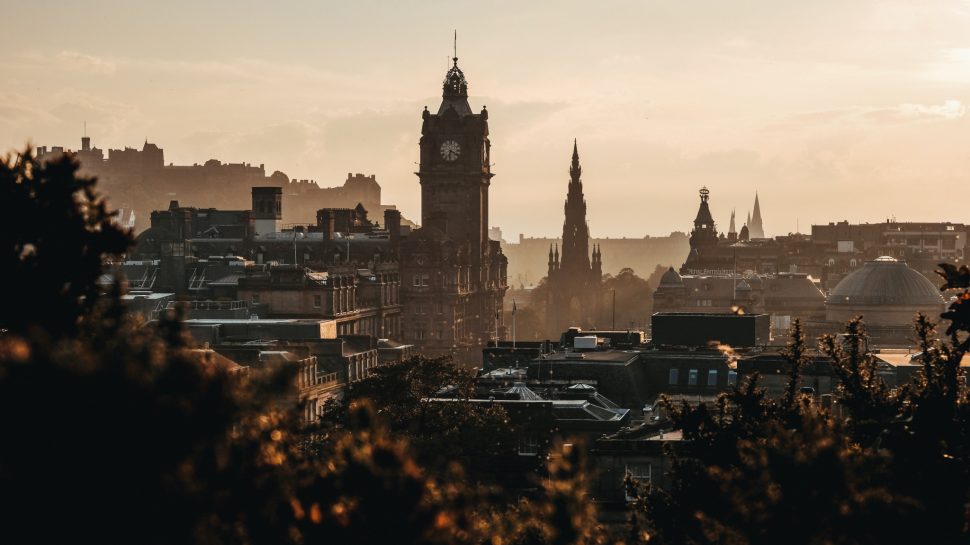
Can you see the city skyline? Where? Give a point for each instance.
(661, 102)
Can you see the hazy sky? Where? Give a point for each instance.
(829, 109)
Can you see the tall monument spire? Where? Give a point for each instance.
(755, 227)
(731, 228)
(575, 231)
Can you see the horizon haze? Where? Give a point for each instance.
(828, 110)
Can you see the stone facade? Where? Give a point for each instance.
(453, 276)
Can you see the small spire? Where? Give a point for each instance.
(574, 169)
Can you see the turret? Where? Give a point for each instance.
(597, 263)
(704, 233)
(267, 210)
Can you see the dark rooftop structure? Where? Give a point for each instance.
(688, 329)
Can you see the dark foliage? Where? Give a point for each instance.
(887, 466)
(57, 233)
(113, 432)
(451, 429)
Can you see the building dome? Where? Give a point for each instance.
(886, 292)
(671, 279)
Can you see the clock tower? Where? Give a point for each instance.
(454, 277)
(455, 172)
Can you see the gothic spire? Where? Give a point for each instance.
(731, 228)
(574, 169)
(575, 230)
(756, 227)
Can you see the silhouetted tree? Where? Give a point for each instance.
(441, 432)
(634, 300)
(891, 469)
(114, 432)
(57, 234)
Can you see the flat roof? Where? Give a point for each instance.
(150, 296)
(215, 321)
(598, 356)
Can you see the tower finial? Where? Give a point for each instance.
(575, 171)
(455, 47)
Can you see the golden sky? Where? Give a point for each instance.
(831, 110)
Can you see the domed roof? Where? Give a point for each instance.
(671, 279)
(885, 281)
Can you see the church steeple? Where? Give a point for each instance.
(755, 226)
(575, 231)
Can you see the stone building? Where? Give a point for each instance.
(360, 301)
(574, 280)
(454, 277)
(186, 249)
(139, 180)
(887, 294)
(783, 296)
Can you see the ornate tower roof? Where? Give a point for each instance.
(704, 233)
(704, 218)
(731, 228)
(455, 91)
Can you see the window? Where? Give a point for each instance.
(639, 473)
(692, 377)
(311, 410)
(317, 301)
(732, 377)
(255, 297)
(422, 280)
(712, 377)
(529, 445)
(674, 376)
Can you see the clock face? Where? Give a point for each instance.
(450, 150)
